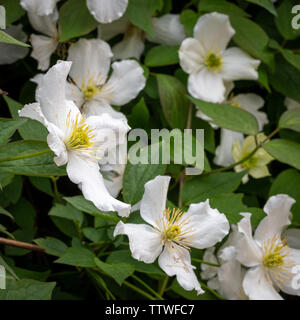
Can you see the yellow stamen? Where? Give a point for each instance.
(213, 62)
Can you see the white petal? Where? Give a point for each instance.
(74, 94)
(132, 46)
(145, 243)
(205, 227)
(91, 61)
(257, 286)
(238, 65)
(291, 104)
(208, 271)
(109, 30)
(168, 30)
(11, 53)
(293, 238)
(224, 155)
(248, 252)
(87, 175)
(39, 7)
(154, 199)
(43, 47)
(125, 83)
(278, 209)
(207, 85)
(214, 31)
(107, 11)
(176, 261)
(259, 172)
(97, 108)
(45, 24)
(191, 55)
(201, 115)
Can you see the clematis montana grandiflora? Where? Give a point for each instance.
(207, 61)
(39, 7)
(76, 140)
(270, 259)
(171, 232)
(89, 87)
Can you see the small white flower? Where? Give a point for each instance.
(171, 232)
(76, 140)
(106, 11)
(11, 53)
(267, 255)
(39, 7)
(90, 89)
(167, 30)
(208, 62)
(291, 104)
(44, 45)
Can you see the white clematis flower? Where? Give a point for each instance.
(171, 232)
(44, 45)
(267, 255)
(106, 11)
(90, 89)
(39, 7)
(167, 29)
(76, 140)
(11, 53)
(208, 62)
(291, 104)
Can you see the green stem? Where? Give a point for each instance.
(56, 192)
(163, 286)
(147, 287)
(206, 262)
(30, 155)
(204, 286)
(138, 290)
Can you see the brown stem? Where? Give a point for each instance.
(20, 244)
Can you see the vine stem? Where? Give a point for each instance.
(56, 192)
(20, 244)
(163, 286)
(159, 297)
(206, 262)
(138, 290)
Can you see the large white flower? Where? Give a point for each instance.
(208, 62)
(39, 7)
(170, 232)
(106, 11)
(11, 53)
(44, 45)
(77, 141)
(267, 255)
(167, 30)
(90, 89)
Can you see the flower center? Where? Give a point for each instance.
(213, 62)
(81, 135)
(172, 232)
(275, 251)
(89, 92)
(250, 163)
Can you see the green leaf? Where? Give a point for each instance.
(173, 99)
(140, 13)
(27, 289)
(288, 182)
(52, 246)
(290, 120)
(68, 212)
(80, 203)
(228, 117)
(75, 20)
(34, 275)
(284, 20)
(32, 158)
(13, 10)
(118, 271)
(6, 213)
(79, 257)
(5, 179)
(6, 38)
(24, 221)
(139, 116)
(31, 130)
(8, 127)
(205, 187)
(42, 184)
(221, 6)
(95, 235)
(263, 78)
(12, 192)
(24, 235)
(66, 226)
(162, 56)
(284, 151)
(267, 4)
(189, 18)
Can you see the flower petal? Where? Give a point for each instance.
(109, 30)
(125, 83)
(154, 199)
(45, 24)
(176, 261)
(291, 104)
(168, 30)
(145, 243)
(208, 271)
(91, 61)
(259, 172)
(39, 7)
(278, 209)
(205, 226)
(258, 287)
(74, 94)
(98, 108)
(238, 65)
(191, 55)
(207, 85)
(214, 31)
(107, 11)
(293, 238)
(223, 152)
